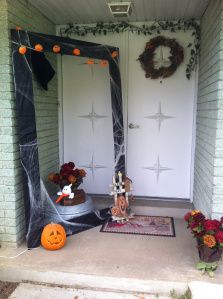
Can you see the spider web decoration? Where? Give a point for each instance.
(22, 70)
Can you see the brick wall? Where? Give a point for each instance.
(12, 221)
(208, 179)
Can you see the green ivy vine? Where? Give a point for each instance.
(155, 27)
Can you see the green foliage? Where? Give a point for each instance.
(156, 27)
(208, 268)
(186, 295)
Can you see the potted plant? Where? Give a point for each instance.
(209, 235)
(67, 175)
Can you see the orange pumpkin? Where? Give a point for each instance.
(90, 61)
(122, 204)
(114, 54)
(22, 50)
(38, 48)
(103, 63)
(18, 28)
(56, 49)
(53, 236)
(76, 52)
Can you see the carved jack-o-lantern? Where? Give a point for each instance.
(122, 204)
(53, 236)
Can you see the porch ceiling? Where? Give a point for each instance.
(92, 11)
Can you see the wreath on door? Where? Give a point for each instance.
(149, 64)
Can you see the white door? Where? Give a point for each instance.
(87, 119)
(160, 120)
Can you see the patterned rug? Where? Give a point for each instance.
(142, 225)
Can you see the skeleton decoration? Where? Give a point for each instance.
(121, 189)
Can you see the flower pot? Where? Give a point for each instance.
(209, 255)
(79, 198)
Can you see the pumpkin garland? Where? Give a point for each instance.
(147, 57)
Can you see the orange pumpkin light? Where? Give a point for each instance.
(22, 50)
(103, 63)
(53, 236)
(90, 61)
(38, 48)
(114, 54)
(56, 49)
(18, 28)
(76, 52)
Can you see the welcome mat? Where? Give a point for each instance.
(142, 225)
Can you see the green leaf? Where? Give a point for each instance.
(210, 273)
(201, 265)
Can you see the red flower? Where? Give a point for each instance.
(187, 216)
(221, 220)
(76, 172)
(71, 165)
(65, 167)
(219, 236)
(65, 174)
(193, 225)
(212, 225)
(199, 217)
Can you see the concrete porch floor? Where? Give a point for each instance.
(130, 263)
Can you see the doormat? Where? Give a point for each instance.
(142, 225)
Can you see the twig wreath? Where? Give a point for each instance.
(145, 29)
(147, 57)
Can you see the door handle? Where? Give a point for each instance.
(133, 126)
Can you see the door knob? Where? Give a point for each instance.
(133, 126)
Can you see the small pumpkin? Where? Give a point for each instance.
(103, 63)
(90, 61)
(76, 52)
(38, 48)
(22, 50)
(53, 236)
(114, 54)
(56, 49)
